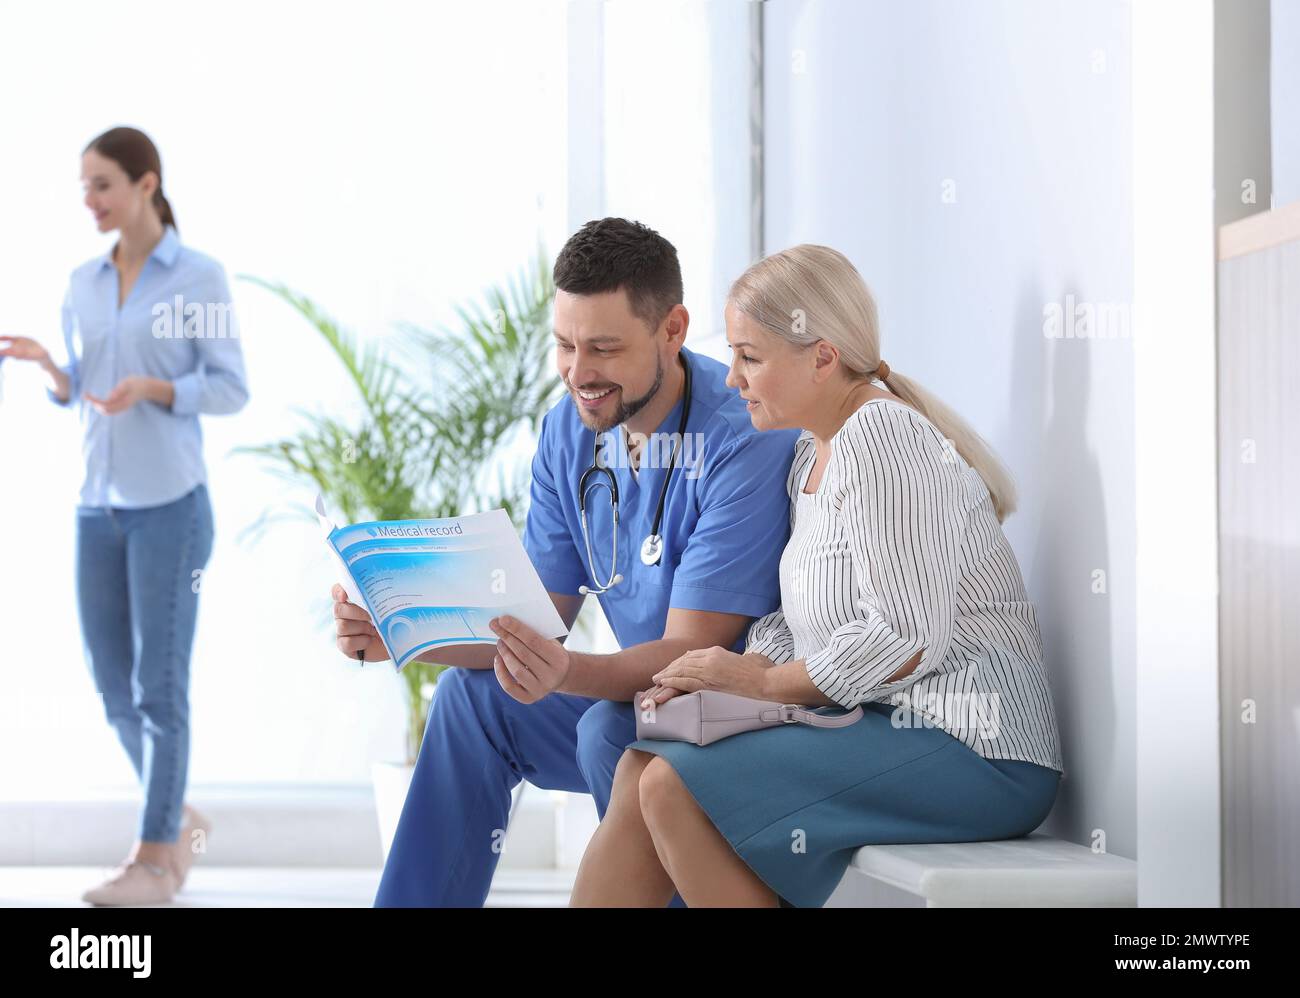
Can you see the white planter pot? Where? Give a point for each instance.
(391, 781)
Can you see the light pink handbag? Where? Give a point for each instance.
(707, 715)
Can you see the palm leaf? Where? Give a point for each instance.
(438, 409)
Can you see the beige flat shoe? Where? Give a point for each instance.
(135, 882)
(185, 852)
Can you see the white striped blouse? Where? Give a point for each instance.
(898, 550)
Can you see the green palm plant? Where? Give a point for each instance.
(434, 429)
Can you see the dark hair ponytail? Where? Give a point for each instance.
(164, 209)
(136, 154)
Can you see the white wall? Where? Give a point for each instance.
(1177, 663)
(1022, 109)
(389, 162)
(1284, 25)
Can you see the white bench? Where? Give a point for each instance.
(1030, 872)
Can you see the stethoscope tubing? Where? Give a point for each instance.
(652, 547)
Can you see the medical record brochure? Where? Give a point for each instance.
(438, 582)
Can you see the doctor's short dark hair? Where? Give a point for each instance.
(611, 253)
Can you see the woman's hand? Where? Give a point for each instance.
(658, 693)
(23, 348)
(130, 390)
(710, 669)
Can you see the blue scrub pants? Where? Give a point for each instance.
(479, 742)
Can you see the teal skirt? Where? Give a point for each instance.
(795, 802)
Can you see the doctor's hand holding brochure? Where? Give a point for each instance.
(427, 583)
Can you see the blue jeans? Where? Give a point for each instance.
(137, 596)
(478, 744)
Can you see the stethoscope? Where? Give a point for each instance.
(653, 547)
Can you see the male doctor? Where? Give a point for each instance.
(527, 708)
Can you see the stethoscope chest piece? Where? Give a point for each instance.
(652, 550)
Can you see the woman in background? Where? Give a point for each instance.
(151, 344)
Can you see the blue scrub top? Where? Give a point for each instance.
(725, 522)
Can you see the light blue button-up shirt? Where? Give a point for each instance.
(177, 324)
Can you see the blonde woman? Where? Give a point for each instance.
(899, 592)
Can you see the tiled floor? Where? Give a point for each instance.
(268, 887)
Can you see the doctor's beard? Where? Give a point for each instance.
(626, 410)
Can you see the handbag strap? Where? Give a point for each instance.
(793, 713)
